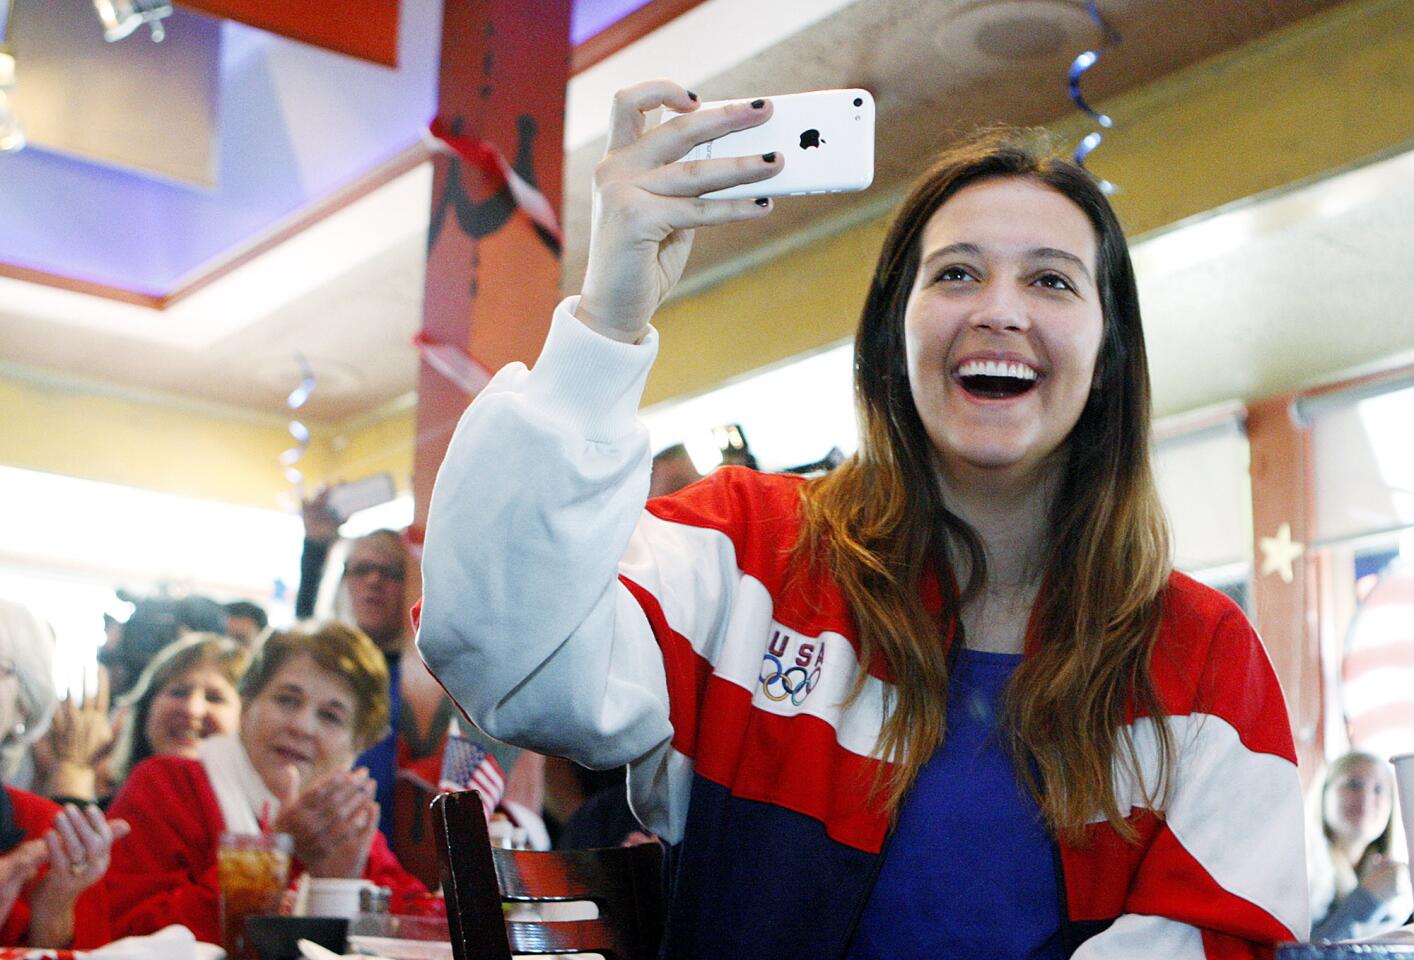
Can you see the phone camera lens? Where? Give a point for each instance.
(859, 101)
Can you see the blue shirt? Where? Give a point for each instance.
(381, 759)
(970, 871)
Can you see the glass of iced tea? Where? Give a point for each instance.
(255, 869)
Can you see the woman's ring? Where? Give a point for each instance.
(78, 867)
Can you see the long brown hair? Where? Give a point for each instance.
(881, 527)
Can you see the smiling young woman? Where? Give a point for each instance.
(949, 700)
(1005, 252)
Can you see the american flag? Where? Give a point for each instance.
(466, 766)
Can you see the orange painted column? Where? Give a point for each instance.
(492, 275)
(1286, 611)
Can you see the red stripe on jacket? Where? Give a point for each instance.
(742, 747)
(1208, 662)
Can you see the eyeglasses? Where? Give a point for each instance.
(387, 571)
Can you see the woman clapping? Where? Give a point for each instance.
(311, 700)
(52, 858)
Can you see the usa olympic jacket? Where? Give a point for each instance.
(565, 618)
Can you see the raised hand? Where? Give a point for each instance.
(81, 733)
(1386, 879)
(646, 204)
(320, 523)
(348, 848)
(332, 820)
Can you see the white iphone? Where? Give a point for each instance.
(826, 136)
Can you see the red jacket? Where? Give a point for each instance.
(681, 640)
(165, 872)
(35, 815)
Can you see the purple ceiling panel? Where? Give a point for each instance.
(297, 123)
(588, 17)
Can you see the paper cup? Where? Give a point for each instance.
(1404, 777)
(335, 896)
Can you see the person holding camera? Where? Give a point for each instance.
(375, 593)
(949, 699)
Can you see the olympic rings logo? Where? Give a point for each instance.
(780, 683)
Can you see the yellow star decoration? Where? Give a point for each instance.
(1280, 552)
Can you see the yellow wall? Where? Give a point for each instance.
(1323, 94)
(379, 444)
(68, 429)
(80, 431)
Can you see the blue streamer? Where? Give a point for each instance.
(301, 393)
(1081, 64)
(297, 398)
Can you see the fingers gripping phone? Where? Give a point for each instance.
(826, 136)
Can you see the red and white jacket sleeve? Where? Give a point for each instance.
(524, 620)
(1224, 872)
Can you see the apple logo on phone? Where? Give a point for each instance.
(810, 138)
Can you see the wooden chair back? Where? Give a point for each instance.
(624, 883)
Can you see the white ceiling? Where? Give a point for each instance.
(1282, 292)
(1266, 295)
(1259, 303)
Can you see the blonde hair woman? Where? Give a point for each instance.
(1360, 887)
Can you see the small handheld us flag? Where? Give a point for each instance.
(466, 766)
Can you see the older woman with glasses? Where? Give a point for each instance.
(311, 700)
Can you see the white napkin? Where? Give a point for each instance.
(170, 943)
(313, 951)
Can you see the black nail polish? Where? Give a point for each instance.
(692, 96)
(763, 201)
(757, 104)
(769, 157)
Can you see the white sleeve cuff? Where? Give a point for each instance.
(587, 381)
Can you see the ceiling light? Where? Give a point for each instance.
(12, 135)
(122, 17)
